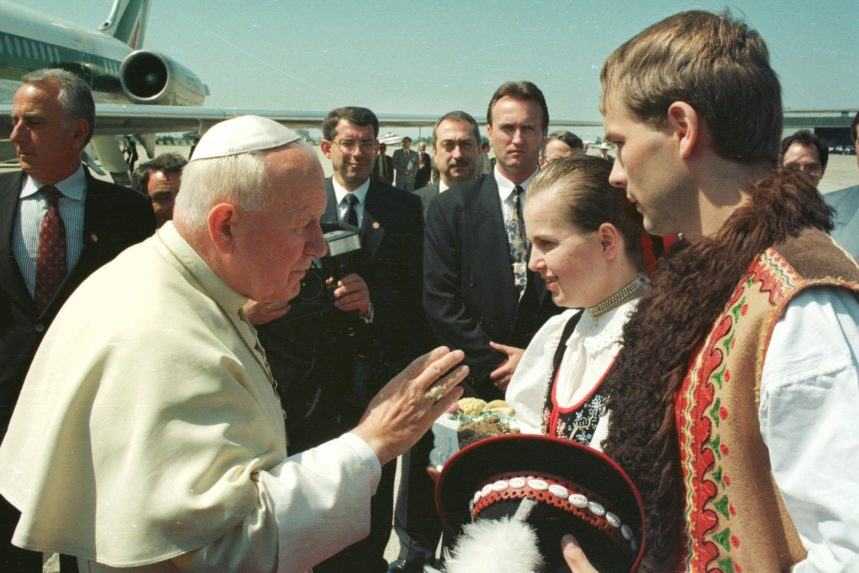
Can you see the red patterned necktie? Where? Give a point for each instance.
(51, 257)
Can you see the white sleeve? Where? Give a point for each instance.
(321, 500)
(809, 410)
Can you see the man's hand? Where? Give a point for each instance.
(351, 293)
(501, 376)
(406, 407)
(262, 312)
(574, 556)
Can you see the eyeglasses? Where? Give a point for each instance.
(350, 145)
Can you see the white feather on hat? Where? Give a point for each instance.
(506, 545)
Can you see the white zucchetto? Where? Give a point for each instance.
(243, 134)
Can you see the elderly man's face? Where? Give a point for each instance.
(804, 158)
(162, 188)
(47, 142)
(275, 246)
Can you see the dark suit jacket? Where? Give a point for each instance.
(405, 166)
(427, 194)
(424, 172)
(114, 218)
(383, 169)
(469, 294)
(338, 352)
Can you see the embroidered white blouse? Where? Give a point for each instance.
(591, 350)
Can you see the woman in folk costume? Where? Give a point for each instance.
(586, 244)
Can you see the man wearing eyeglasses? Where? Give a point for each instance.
(377, 325)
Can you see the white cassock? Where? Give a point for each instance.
(148, 430)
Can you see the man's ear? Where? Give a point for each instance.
(611, 241)
(81, 131)
(685, 123)
(325, 146)
(221, 221)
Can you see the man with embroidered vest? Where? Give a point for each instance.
(154, 444)
(478, 292)
(734, 400)
(57, 226)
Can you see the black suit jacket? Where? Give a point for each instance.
(427, 194)
(114, 218)
(469, 294)
(334, 361)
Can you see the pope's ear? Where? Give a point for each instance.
(685, 124)
(220, 222)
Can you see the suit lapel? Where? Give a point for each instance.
(330, 217)
(11, 280)
(372, 231)
(493, 253)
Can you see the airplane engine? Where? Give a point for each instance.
(153, 78)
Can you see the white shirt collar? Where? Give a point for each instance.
(505, 186)
(72, 187)
(340, 192)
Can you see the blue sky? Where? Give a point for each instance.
(434, 56)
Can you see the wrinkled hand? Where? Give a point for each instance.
(351, 294)
(576, 559)
(402, 412)
(262, 312)
(502, 375)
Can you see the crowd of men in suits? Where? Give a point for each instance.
(444, 264)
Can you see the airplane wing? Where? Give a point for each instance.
(116, 119)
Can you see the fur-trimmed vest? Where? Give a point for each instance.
(683, 393)
(735, 517)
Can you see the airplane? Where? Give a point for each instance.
(137, 91)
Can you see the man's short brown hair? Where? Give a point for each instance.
(525, 91)
(713, 62)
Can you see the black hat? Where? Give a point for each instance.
(569, 488)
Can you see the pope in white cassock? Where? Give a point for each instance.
(148, 435)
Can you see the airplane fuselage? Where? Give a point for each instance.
(29, 41)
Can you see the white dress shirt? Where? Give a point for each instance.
(809, 413)
(32, 207)
(340, 193)
(505, 192)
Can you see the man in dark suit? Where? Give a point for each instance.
(383, 167)
(57, 226)
(376, 326)
(456, 147)
(405, 166)
(424, 172)
(478, 293)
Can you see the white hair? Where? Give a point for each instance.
(239, 179)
